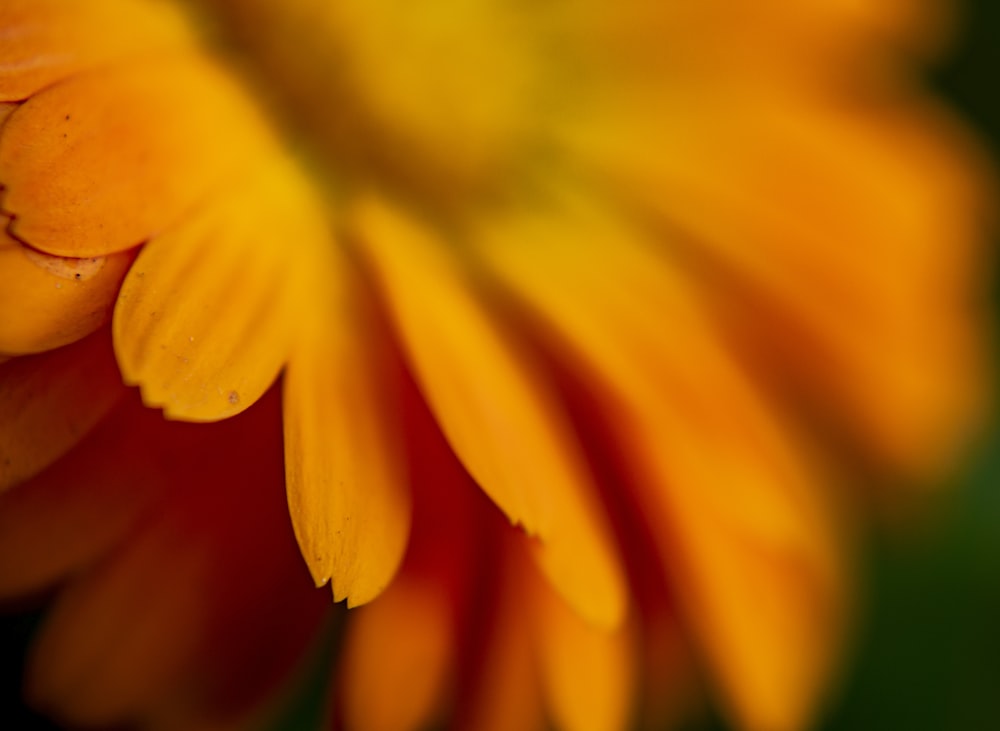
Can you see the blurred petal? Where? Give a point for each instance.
(587, 673)
(853, 254)
(736, 522)
(78, 509)
(227, 613)
(506, 693)
(112, 642)
(401, 647)
(45, 41)
(51, 401)
(814, 48)
(756, 568)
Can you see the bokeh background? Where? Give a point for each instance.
(928, 655)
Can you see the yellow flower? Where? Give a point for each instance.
(644, 273)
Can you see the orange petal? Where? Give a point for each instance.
(738, 523)
(73, 512)
(50, 301)
(6, 109)
(204, 320)
(754, 563)
(506, 693)
(587, 673)
(45, 41)
(822, 46)
(230, 610)
(500, 416)
(345, 463)
(115, 641)
(51, 401)
(800, 210)
(105, 160)
(400, 647)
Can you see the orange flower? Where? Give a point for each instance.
(644, 273)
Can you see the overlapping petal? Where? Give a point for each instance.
(107, 159)
(450, 209)
(50, 401)
(205, 318)
(500, 415)
(45, 41)
(809, 300)
(50, 301)
(166, 621)
(720, 477)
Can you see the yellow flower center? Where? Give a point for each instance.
(438, 100)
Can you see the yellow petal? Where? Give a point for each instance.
(587, 673)
(398, 659)
(51, 401)
(801, 210)
(45, 41)
(105, 160)
(49, 301)
(204, 320)
(737, 522)
(580, 560)
(500, 416)
(345, 463)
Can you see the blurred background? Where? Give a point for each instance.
(929, 644)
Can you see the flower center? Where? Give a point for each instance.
(442, 99)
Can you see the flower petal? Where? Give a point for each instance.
(879, 240)
(755, 566)
(400, 647)
(6, 109)
(587, 674)
(439, 588)
(105, 160)
(230, 611)
(501, 418)
(506, 692)
(738, 525)
(50, 301)
(51, 401)
(72, 513)
(345, 461)
(819, 47)
(205, 317)
(45, 41)
(113, 641)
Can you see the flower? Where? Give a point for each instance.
(643, 273)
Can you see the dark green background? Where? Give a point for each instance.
(929, 656)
